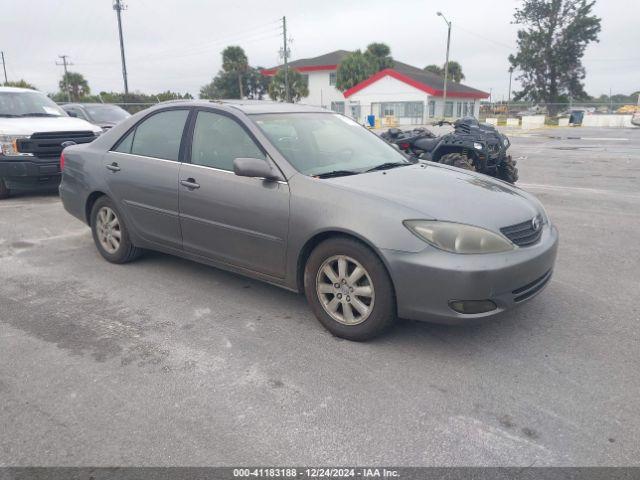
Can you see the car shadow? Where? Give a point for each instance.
(405, 333)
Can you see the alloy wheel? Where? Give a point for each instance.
(108, 230)
(345, 290)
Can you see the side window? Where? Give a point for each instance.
(160, 135)
(125, 145)
(218, 140)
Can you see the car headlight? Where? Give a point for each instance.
(8, 145)
(477, 146)
(505, 141)
(458, 237)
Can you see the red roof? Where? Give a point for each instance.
(415, 80)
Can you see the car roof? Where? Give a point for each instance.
(19, 90)
(89, 104)
(249, 107)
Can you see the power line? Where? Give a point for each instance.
(65, 63)
(118, 7)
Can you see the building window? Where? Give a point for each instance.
(337, 107)
(332, 78)
(459, 112)
(471, 109)
(403, 109)
(448, 109)
(466, 109)
(355, 111)
(432, 108)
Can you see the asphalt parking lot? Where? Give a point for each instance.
(167, 362)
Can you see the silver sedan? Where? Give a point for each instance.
(313, 202)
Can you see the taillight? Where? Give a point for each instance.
(404, 146)
(61, 161)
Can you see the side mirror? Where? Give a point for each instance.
(256, 168)
(72, 114)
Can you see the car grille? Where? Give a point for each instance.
(530, 289)
(524, 234)
(49, 144)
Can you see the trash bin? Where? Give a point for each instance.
(371, 120)
(576, 117)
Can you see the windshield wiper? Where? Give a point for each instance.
(9, 115)
(39, 114)
(388, 165)
(336, 173)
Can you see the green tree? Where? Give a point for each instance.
(358, 66)
(353, 69)
(455, 71)
(256, 84)
(298, 87)
(223, 85)
(20, 84)
(550, 49)
(379, 56)
(435, 69)
(235, 61)
(75, 84)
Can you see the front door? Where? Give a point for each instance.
(236, 220)
(142, 175)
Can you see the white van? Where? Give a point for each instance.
(33, 130)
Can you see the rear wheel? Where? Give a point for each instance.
(4, 191)
(110, 233)
(457, 160)
(508, 171)
(349, 289)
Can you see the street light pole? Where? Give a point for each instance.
(446, 65)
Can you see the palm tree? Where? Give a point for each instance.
(235, 60)
(75, 84)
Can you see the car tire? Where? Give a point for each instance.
(4, 191)
(508, 171)
(110, 233)
(457, 160)
(368, 293)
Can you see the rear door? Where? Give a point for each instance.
(237, 220)
(142, 175)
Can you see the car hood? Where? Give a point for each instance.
(31, 125)
(438, 192)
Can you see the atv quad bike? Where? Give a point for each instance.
(471, 145)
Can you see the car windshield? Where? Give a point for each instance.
(106, 113)
(28, 104)
(322, 143)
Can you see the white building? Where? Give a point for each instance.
(407, 93)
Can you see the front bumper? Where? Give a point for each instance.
(28, 172)
(425, 282)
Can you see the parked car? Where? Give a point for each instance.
(105, 115)
(32, 131)
(311, 201)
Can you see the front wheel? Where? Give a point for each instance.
(508, 171)
(349, 289)
(457, 160)
(4, 191)
(110, 233)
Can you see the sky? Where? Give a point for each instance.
(175, 45)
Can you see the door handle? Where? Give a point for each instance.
(190, 183)
(113, 167)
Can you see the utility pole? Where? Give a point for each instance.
(65, 63)
(446, 65)
(118, 6)
(4, 67)
(285, 53)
